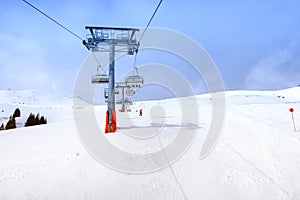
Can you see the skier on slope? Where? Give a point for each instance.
(141, 112)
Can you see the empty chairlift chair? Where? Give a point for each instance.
(134, 81)
(106, 95)
(130, 92)
(99, 78)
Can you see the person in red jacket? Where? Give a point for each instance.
(141, 112)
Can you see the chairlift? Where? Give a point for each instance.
(100, 78)
(106, 95)
(128, 108)
(119, 101)
(130, 92)
(134, 81)
(128, 101)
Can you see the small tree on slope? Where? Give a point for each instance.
(30, 120)
(17, 113)
(11, 123)
(2, 127)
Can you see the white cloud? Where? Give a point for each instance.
(276, 71)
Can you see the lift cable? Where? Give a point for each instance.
(62, 26)
(77, 36)
(150, 20)
(154, 13)
(56, 22)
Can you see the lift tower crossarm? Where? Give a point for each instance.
(100, 37)
(111, 28)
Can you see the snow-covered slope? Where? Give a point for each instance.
(263, 97)
(32, 101)
(31, 97)
(257, 157)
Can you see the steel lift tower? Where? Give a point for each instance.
(123, 86)
(111, 39)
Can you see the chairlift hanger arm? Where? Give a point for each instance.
(132, 33)
(92, 32)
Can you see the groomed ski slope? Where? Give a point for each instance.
(257, 156)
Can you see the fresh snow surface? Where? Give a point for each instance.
(257, 156)
(31, 101)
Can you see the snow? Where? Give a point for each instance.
(257, 156)
(32, 101)
(31, 97)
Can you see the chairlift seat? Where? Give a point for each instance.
(130, 92)
(134, 81)
(119, 101)
(106, 95)
(128, 102)
(100, 79)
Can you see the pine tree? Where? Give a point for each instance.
(17, 113)
(33, 120)
(2, 127)
(43, 120)
(37, 119)
(11, 123)
(30, 120)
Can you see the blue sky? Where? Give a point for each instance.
(255, 44)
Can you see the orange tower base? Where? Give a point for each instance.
(111, 128)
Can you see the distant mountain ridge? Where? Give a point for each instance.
(32, 97)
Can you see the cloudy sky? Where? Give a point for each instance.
(255, 44)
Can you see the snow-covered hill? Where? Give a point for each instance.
(31, 97)
(263, 97)
(257, 156)
(32, 101)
